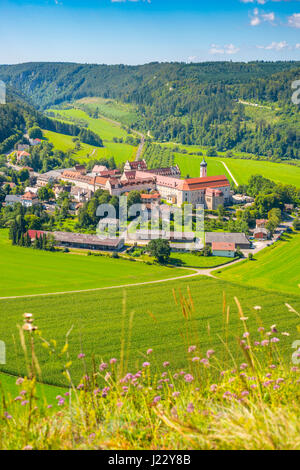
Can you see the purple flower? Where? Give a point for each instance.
(188, 378)
(166, 364)
(146, 364)
(213, 387)
(25, 402)
(103, 366)
(246, 334)
(149, 351)
(156, 399)
(81, 356)
(113, 360)
(190, 408)
(19, 381)
(192, 349)
(175, 394)
(209, 353)
(195, 359)
(245, 393)
(243, 366)
(265, 342)
(275, 340)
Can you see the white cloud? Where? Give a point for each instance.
(228, 49)
(275, 46)
(259, 18)
(294, 20)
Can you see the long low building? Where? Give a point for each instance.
(240, 240)
(80, 240)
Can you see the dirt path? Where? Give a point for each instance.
(229, 172)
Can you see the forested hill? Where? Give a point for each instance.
(187, 103)
(18, 114)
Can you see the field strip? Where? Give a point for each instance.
(204, 272)
(198, 272)
(227, 169)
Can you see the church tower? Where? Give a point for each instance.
(203, 169)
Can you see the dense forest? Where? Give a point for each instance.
(186, 103)
(17, 115)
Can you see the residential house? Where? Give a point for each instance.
(226, 250)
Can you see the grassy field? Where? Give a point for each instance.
(96, 321)
(121, 112)
(277, 267)
(194, 261)
(120, 152)
(27, 271)
(240, 168)
(43, 391)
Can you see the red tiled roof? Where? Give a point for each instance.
(35, 233)
(219, 246)
(29, 196)
(194, 184)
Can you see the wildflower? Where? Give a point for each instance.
(61, 402)
(226, 394)
(175, 376)
(19, 381)
(192, 349)
(23, 392)
(205, 362)
(246, 334)
(188, 378)
(195, 359)
(107, 376)
(80, 387)
(164, 374)
(275, 340)
(50, 406)
(67, 394)
(190, 408)
(92, 436)
(81, 356)
(25, 402)
(245, 393)
(294, 369)
(284, 333)
(253, 386)
(175, 394)
(209, 353)
(18, 398)
(7, 415)
(257, 307)
(171, 385)
(156, 399)
(243, 366)
(276, 387)
(213, 387)
(103, 366)
(113, 360)
(182, 372)
(28, 448)
(119, 404)
(246, 348)
(280, 380)
(265, 342)
(256, 343)
(273, 329)
(272, 366)
(268, 375)
(146, 364)
(149, 351)
(166, 364)
(261, 329)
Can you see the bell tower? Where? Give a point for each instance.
(203, 169)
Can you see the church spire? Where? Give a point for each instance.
(203, 169)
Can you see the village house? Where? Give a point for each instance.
(21, 155)
(261, 234)
(261, 223)
(226, 250)
(29, 199)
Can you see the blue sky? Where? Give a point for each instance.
(140, 31)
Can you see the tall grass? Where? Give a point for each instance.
(253, 403)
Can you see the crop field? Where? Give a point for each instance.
(120, 152)
(28, 271)
(150, 318)
(276, 267)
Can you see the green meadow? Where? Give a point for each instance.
(121, 112)
(150, 318)
(120, 152)
(28, 271)
(194, 261)
(276, 267)
(241, 169)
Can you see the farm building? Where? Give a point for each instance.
(240, 240)
(80, 240)
(227, 250)
(261, 234)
